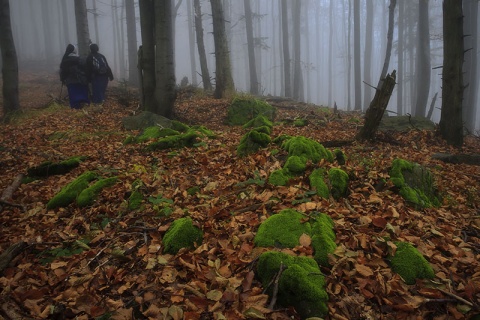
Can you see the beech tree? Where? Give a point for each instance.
(356, 55)
(470, 65)
(251, 48)
(9, 62)
(207, 84)
(147, 54)
(132, 42)
(422, 68)
(286, 50)
(83, 35)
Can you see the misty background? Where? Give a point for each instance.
(43, 28)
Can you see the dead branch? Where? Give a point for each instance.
(8, 255)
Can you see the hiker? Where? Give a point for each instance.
(73, 76)
(98, 73)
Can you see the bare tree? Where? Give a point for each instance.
(224, 85)
(451, 126)
(286, 50)
(132, 42)
(367, 57)
(191, 42)
(401, 53)
(251, 48)
(356, 55)
(207, 84)
(297, 74)
(83, 34)
(470, 65)
(9, 62)
(422, 67)
(147, 53)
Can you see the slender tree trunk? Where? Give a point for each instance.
(330, 55)
(251, 48)
(388, 52)
(132, 42)
(83, 35)
(470, 65)
(95, 21)
(367, 58)
(297, 75)
(286, 50)
(356, 55)
(9, 62)
(121, 42)
(116, 62)
(401, 54)
(65, 23)
(165, 92)
(224, 85)
(191, 42)
(207, 84)
(349, 57)
(147, 53)
(423, 68)
(451, 126)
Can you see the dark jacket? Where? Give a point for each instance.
(91, 70)
(72, 70)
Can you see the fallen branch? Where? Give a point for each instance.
(8, 255)
(8, 193)
(468, 303)
(275, 286)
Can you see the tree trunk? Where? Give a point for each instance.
(388, 52)
(377, 108)
(251, 48)
(165, 91)
(451, 126)
(286, 50)
(471, 63)
(367, 58)
(95, 22)
(9, 62)
(422, 68)
(297, 75)
(83, 35)
(224, 85)
(65, 25)
(132, 43)
(147, 63)
(191, 42)
(401, 68)
(207, 84)
(356, 55)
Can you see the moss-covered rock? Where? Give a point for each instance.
(282, 230)
(317, 182)
(146, 119)
(242, 110)
(296, 164)
(307, 148)
(181, 234)
(252, 142)
(50, 168)
(179, 126)
(338, 182)
(259, 121)
(300, 122)
(340, 157)
(70, 192)
(88, 195)
(281, 139)
(279, 177)
(301, 284)
(323, 239)
(188, 139)
(415, 183)
(410, 264)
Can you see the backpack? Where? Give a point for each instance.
(99, 64)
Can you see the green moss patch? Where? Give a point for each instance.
(252, 142)
(242, 110)
(181, 234)
(307, 148)
(279, 177)
(49, 168)
(338, 182)
(69, 193)
(135, 199)
(317, 182)
(415, 183)
(410, 264)
(259, 121)
(301, 284)
(87, 196)
(188, 139)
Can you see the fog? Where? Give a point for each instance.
(43, 28)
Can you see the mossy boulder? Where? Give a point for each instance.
(152, 133)
(300, 122)
(181, 234)
(285, 228)
(307, 148)
(242, 110)
(301, 284)
(146, 119)
(188, 139)
(338, 182)
(296, 164)
(70, 192)
(259, 121)
(317, 182)
(179, 126)
(50, 168)
(410, 264)
(252, 142)
(415, 183)
(340, 157)
(87, 196)
(279, 177)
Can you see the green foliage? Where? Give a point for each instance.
(317, 182)
(242, 110)
(181, 234)
(339, 182)
(49, 168)
(67, 250)
(252, 142)
(301, 284)
(88, 195)
(410, 264)
(256, 180)
(193, 190)
(307, 148)
(415, 183)
(161, 205)
(70, 192)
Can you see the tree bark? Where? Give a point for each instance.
(377, 108)
(132, 42)
(401, 48)
(297, 74)
(286, 51)
(251, 48)
(367, 58)
(9, 62)
(356, 55)
(147, 52)
(451, 125)
(83, 34)
(422, 68)
(191, 42)
(207, 84)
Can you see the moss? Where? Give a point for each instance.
(281, 139)
(300, 122)
(307, 148)
(187, 139)
(135, 200)
(296, 164)
(301, 284)
(252, 142)
(338, 182)
(282, 229)
(70, 192)
(264, 129)
(88, 195)
(410, 264)
(279, 177)
(181, 234)
(317, 182)
(340, 157)
(49, 168)
(179, 126)
(203, 131)
(242, 110)
(415, 183)
(193, 190)
(323, 239)
(259, 121)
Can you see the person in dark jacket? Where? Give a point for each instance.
(73, 76)
(99, 73)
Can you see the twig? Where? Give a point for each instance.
(275, 286)
(468, 303)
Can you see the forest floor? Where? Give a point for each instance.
(106, 262)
